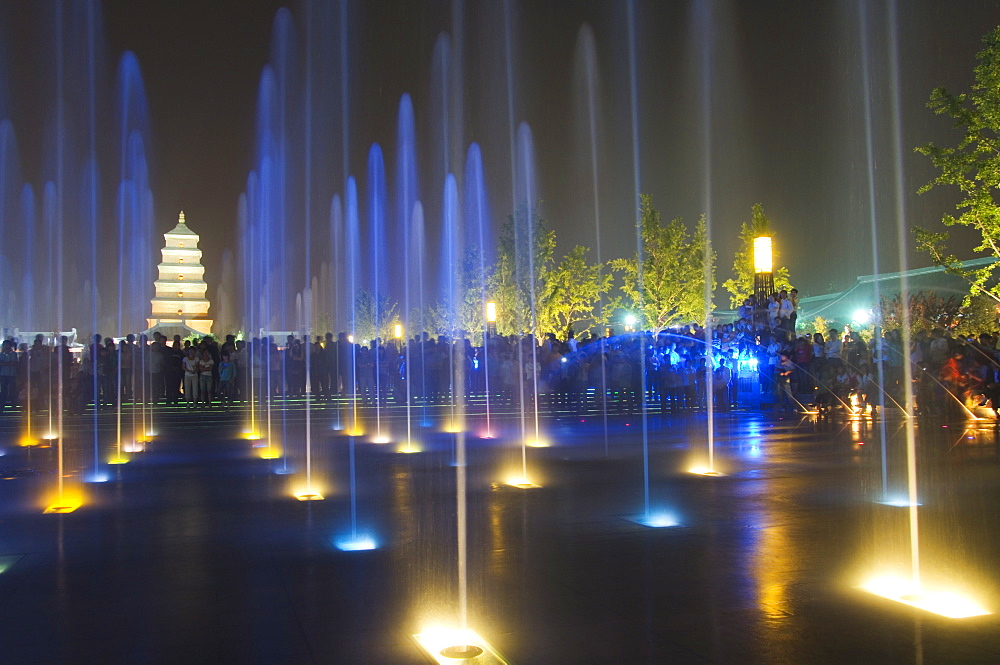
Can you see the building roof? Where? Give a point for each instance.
(182, 228)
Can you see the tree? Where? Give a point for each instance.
(978, 316)
(366, 316)
(571, 292)
(525, 251)
(927, 311)
(741, 287)
(666, 283)
(973, 166)
(467, 311)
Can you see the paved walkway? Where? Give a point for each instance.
(195, 552)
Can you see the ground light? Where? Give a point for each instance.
(409, 448)
(308, 494)
(705, 471)
(937, 601)
(898, 502)
(446, 646)
(66, 503)
(134, 447)
(118, 460)
(536, 443)
(656, 520)
(521, 482)
(356, 543)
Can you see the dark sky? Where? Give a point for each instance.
(784, 116)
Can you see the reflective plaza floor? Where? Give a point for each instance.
(195, 551)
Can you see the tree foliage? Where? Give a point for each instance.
(741, 286)
(666, 283)
(927, 310)
(371, 311)
(525, 257)
(973, 166)
(571, 293)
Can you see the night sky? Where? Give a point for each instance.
(775, 88)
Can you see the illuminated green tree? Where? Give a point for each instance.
(973, 166)
(571, 292)
(666, 284)
(525, 256)
(741, 286)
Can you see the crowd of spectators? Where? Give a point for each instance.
(760, 358)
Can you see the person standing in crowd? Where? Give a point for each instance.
(227, 379)
(8, 373)
(190, 364)
(206, 369)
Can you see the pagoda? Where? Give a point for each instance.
(180, 305)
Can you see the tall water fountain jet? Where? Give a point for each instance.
(478, 235)
(913, 591)
(406, 191)
(415, 365)
(866, 85)
(353, 281)
(704, 29)
(377, 237)
(338, 259)
(452, 287)
(310, 492)
(587, 93)
(526, 241)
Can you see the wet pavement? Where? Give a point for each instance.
(195, 550)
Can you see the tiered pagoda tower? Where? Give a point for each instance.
(180, 301)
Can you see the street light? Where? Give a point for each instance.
(762, 255)
(630, 323)
(763, 276)
(398, 330)
(491, 318)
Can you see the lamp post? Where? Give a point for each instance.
(763, 276)
(491, 318)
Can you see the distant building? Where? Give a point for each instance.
(844, 307)
(180, 306)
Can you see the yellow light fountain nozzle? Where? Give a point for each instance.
(705, 471)
(118, 460)
(521, 482)
(537, 443)
(67, 503)
(308, 494)
(269, 453)
(448, 646)
(944, 603)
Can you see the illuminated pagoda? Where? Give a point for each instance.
(180, 305)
